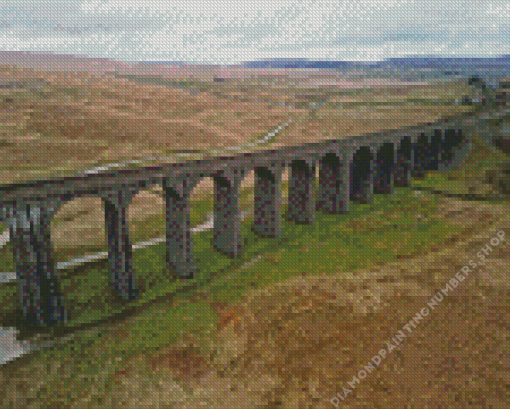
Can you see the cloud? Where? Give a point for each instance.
(230, 31)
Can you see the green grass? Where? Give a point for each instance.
(341, 242)
(106, 354)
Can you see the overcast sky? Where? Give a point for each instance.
(233, 31)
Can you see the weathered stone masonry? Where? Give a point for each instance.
(354, 168)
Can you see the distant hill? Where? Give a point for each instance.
(411, 69)
(304, 63)
(421, 62)
(163, 63)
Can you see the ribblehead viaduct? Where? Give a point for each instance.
(350, 169)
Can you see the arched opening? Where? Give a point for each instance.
(361, 177)
(285, 189)
(146, 215)
(135, 222)
(78, 228)
(385, 162)
(246, 196)
(201, 202)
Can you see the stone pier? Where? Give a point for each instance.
(449, 145)
(120, 252)
(405, 160)
(267, 201)
(227, 213)
(29, 229)
(421, 155)
(334, 180)
(435, 150)
(179, 241)
(301, 207)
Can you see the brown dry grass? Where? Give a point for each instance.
(325, 125)
(81, 123)
(296, 344)
(76, 120)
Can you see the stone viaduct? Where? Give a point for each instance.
(350, 169)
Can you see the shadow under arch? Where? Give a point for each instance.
(384, 169)
(361, 180)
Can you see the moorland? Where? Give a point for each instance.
(290, 322)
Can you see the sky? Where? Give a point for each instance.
(234, 31)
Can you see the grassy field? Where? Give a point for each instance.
(62, 123)
(119, 355)
(78, 121)
(355, 112)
